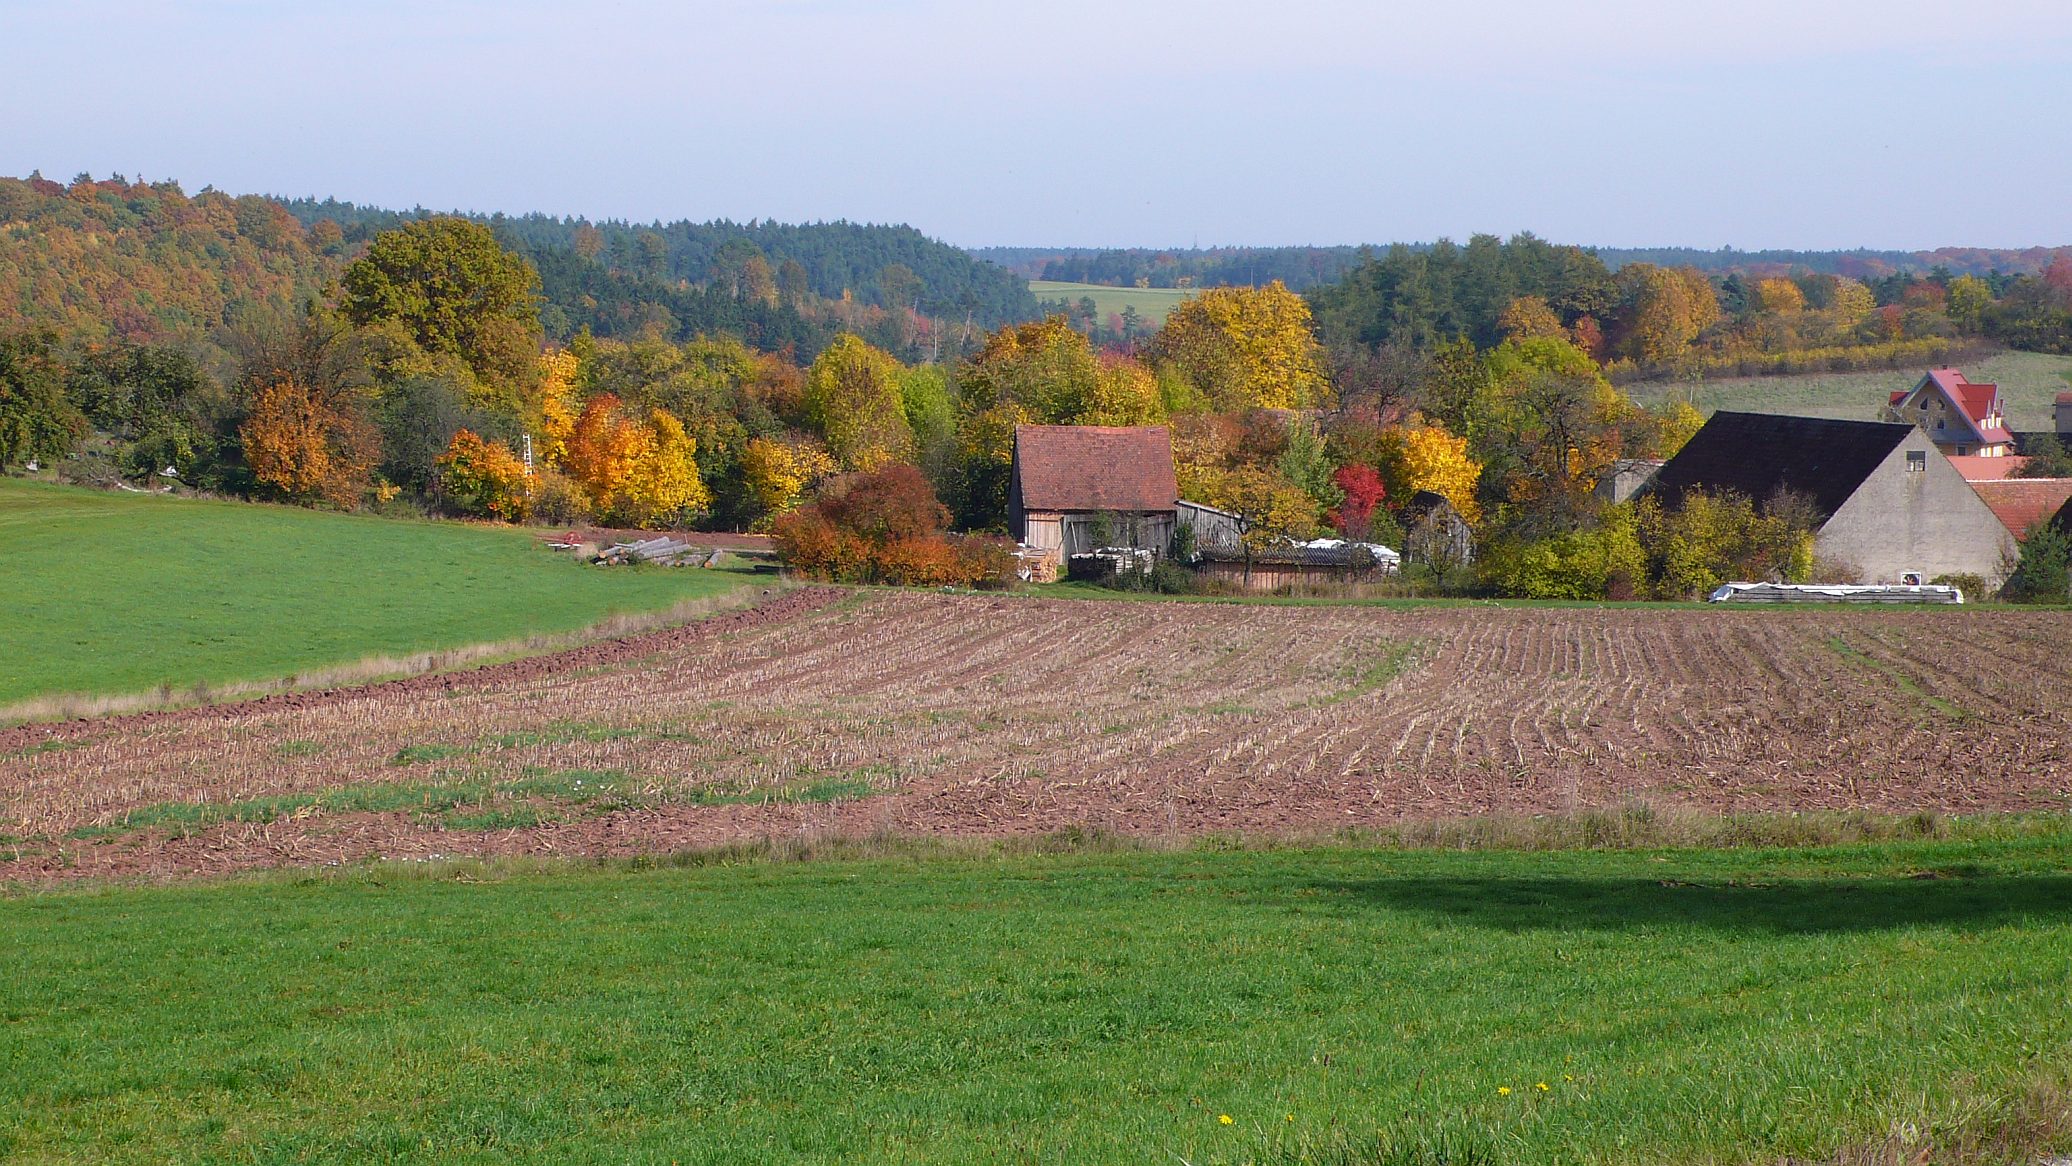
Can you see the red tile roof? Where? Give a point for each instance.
(2020, 503)
(1988, 469)
(1094, 467)
(2065, 398)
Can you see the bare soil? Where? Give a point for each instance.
(824, 712)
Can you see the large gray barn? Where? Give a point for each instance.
(1893, 503)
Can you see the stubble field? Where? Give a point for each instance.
(825, 713)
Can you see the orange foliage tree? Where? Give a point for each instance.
(306, 448)
(484, 478)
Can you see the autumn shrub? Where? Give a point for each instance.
(886, 527)
(483, 479)
(557, 500)
(1605, 562)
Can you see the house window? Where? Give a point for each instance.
(1963, 451)
(1917, 461)
(1924, 404)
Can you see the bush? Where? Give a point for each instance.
(2040, 574)
(557, 500)
(483, 479)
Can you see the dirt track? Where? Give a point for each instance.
(994, 715)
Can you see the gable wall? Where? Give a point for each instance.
(1931, 521)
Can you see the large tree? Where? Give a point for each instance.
(1246, 348)
(454, 291)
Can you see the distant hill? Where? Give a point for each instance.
(837, 259)
(1303, 268)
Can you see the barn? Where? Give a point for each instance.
(1073, 488)
(1891, 503)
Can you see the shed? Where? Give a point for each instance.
(1069, 482)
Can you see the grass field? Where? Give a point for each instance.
(2028, 381)
(1152, 303)
(1307, 1005)
(115, 593)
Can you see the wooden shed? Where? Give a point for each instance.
(1071, 483)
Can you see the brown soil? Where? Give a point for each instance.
(989, 716)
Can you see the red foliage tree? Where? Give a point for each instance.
(1364, 491)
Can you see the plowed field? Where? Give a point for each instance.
(916, 713)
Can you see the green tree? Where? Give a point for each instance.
(854, 401)
(2040, 576)
(37, 421)
(454, 290)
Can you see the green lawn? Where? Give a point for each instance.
(1581, 1006)
(2028, 381)
(117, 593)
(1152, 303)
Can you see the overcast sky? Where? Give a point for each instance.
(1756, 123)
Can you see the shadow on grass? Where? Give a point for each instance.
(1956, 899)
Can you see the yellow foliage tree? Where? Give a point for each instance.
(1670, 308)
(853, 398)
(778, 473)
(1529, 316)
(558, 402)
(1426, 457)
(1246, 348)
(484, 478)
(1777, 295)
(663, 485)
(1125, 393)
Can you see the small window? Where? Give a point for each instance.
(1941, 424)
(1924, 404)
(1917, 461)
(1963, 451)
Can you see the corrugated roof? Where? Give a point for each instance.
(1095, 467)
(2020, 503)
(1757, 454)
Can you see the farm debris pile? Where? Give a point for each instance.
(824, 712)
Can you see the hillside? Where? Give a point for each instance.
(143, 261)
(95, 261)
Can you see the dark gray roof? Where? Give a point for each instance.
(1757, 454)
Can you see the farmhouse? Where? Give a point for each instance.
(1072, 483)
(1890, 502)
(1963, 419)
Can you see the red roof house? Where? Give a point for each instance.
(1961, 418)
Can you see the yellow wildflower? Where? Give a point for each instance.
(1503, 1091)
(1225, 1118)
(1542, 1087)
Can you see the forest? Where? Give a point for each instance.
(484, 368)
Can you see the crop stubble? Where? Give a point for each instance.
(818, 713)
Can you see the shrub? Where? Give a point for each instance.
(557, 500)
(2040, 575)
(483, 479)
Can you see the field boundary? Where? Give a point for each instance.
(20, 722)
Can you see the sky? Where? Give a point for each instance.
(1755, 123)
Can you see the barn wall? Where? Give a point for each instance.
(1930, 521)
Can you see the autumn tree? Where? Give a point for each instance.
(454, 290)
(853, 400)
(1663, 310)
(1246, 348)
(637, 468)
(779, 473)
(1527, 317)
(307, 434)
(484, 479)
(1361, 490)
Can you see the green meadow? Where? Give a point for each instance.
(1152, 303)
(1071, 1005)
(111, 593)
(2029, 382)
